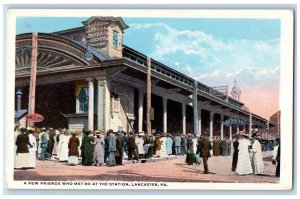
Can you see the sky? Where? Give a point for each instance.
(212, 51)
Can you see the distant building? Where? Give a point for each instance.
(275, 130)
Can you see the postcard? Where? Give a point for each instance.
(149, 99)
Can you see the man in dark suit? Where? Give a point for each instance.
(131, 147)
(205, 147)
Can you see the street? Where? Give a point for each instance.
(167, 170)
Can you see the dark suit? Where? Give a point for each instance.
(205, 147)
(131, 148)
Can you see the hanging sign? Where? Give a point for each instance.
(34, 117)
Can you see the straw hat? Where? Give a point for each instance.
(98, 132)
(67, 132)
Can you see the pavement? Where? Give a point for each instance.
(171, 169)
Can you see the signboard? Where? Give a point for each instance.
(34, 117)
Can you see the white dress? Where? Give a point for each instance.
(32, 151)
(163, 149)
(64, 153)
(140, 144)
(195, 142)
(257, 159)
(15, 148)
(244, 164)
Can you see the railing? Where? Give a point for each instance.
(140, 59)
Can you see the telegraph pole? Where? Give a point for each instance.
(148, 95)
(32, 88)
(195, 108)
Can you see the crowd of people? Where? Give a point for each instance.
(109, 148)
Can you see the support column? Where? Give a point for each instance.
(222, 126)
(103, 111)
(230, 132)
(165, 113)
(250, 124)
(199, 121)
(148, 95)
(91, 105)
(183, 118)
(195, 108)
(211, 119)
(141, 111)
(32, 88)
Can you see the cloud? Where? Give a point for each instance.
(208, 52)
(217, 62)
(244, 75)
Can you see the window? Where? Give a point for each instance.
(115, 39)
(83, 100)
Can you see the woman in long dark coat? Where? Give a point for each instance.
(235, 154)
(87, 149)
(73, 149)
(190, 156)
(22, 143)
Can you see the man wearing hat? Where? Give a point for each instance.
(131, 147)
(205, 147)
(244, 164)
(235, 152)
(257, 159)
(43, 145)
(111, 161)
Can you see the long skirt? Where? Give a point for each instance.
(234, 160)
(32, 159)
(22, 160)
(190, 159)
(73, 160)
(111, 160)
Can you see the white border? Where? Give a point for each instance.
(286, 86)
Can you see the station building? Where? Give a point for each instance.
(88, 79)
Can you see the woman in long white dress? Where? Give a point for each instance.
(244, 164)
(163, 149)
(140, 144)
(32, 150)
(257, 159)
(64, 139)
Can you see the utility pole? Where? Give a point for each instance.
(148, 95)
(250, 124)
(32, 88)
(195, 108)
